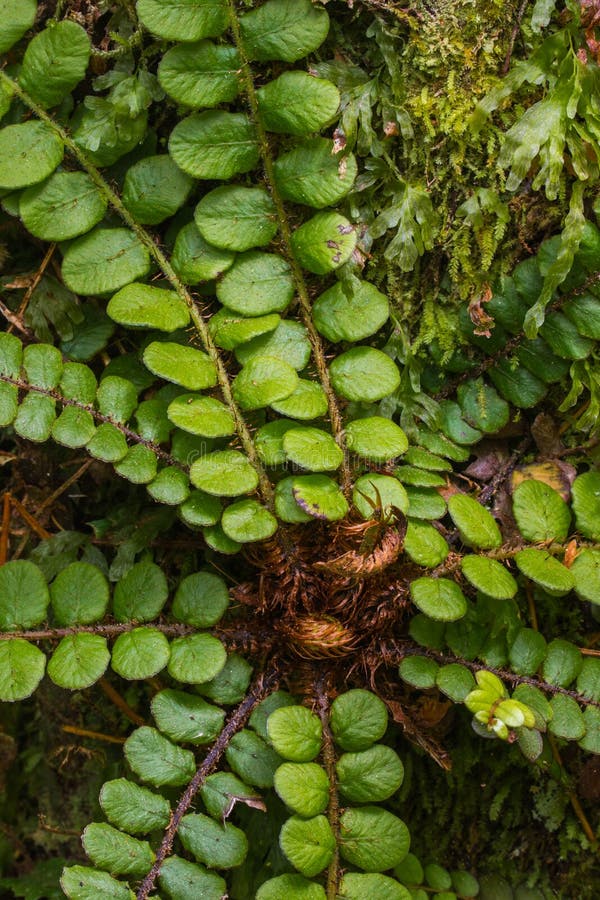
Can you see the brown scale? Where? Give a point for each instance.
(324, 608)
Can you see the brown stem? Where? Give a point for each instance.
(333, 808)
(120, 702)
(318, 352)
(55, 634)
(4, 530)
(99, 417)
(393, 652)
(34, 283)
(170, 274)
(235, 723)
(96, 735)
(513, 36)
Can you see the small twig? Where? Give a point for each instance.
(29, 292)
(235, 723)
(573, 798)
(513, 36)
(394, 652)
(333, 808)
(30, 520)
(531, 605)
(49, 501)
(99, 417)
(56, 634)
(97, 735)
(120, 702)
(4, 532)
(15, 322)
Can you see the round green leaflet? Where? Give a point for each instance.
(586, 504)
(224, 473)
(111, 849)
(230, 329)
(439, 598)
(257, 284)
(419, 671)
(425, 503)
(379, 492)
(183, 20)
(145, 306)
(104, 260)
(170, 486)
(376, 438)
(369, 775)
(201, 415)
(17, 17)
(285, 30)
(79, 661)
(21, 669)
(364, 374)
(320, 497)
(324, 243)
(200, 509)
(482, 407)
(190, 368)
(308, 401)
(313, 449)
(264, 381)
(195, 260)
(247, 521)
(133, 808)
(288, 341)
(236, 218)
(303, 787)
(358, 719)
(476, 525)
(186, 717)
(295, 732)
(200, 600)
(357, 886)
(24, 595)
(196, 658)
(527, 651)
(181, 879)
(29, 152)
(200, 75)
(217, 540)
(216, 844)
(140, 653)
(156, 760)
(313, 176)
(285, 503)
(489, 576)
(141, 593)
(546, 571)
(350, 311)
(79, 594)
(155, 188)
(373, 839)
(292, 887)
(297, 103)
(214, 145)
(55, 62)
(308, 843)
(82, 882)
(540, 512)
(424, 544)
(63, 207)
(586, 572)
